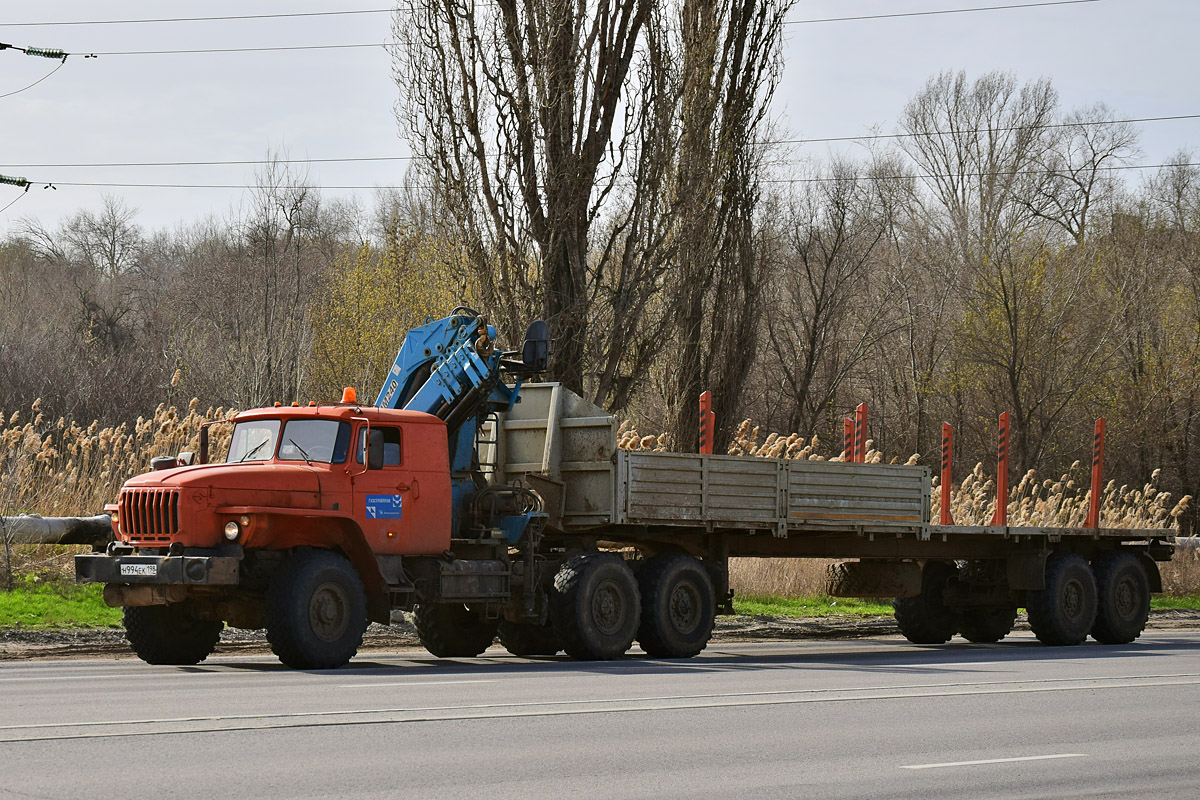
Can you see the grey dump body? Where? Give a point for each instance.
(720, 505)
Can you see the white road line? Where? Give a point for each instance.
(512, 713)
(993, 761)
(808, 695)
(408, 683)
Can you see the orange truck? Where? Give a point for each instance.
(491, 507)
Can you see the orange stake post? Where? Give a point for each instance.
(860, 433)
(947, 458)
(848, 439)
(1001, 515)
(1093, 516)
(707, 423)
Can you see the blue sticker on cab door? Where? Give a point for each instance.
(383, 506)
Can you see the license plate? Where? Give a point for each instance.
(139, 569)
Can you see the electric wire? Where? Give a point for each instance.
(35, 83)
(942, 11)
(208, 50)
(193, 19)
(361, 159)
(926, 176)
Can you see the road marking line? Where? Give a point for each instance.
(539, 712)
(807, 696)
(408, 683)
(993, 761)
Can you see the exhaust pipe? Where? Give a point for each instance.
(32, 529)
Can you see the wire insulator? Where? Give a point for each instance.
(59, 55)
(5, 179)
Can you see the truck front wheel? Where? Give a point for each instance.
(452, 630)
(316, 611)
(595, 606)
(678, 606)
(1063, 612)
(170, 634)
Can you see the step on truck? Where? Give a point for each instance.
(489, 506)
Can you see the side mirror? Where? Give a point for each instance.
(203, 444)
(375, 450)
(535, 354)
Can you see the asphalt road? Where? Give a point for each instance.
(873, 718)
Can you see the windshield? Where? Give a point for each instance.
(324, 440)
(253, 440)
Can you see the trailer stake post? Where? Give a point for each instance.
(848, 439)
(707, 423)
(860, 433)
(1093, 516)
(947, 463)
(1000, 518)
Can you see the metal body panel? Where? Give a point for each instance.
(565, 448)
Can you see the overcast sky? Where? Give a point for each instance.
(840, 79)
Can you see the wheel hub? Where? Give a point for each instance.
(1072, 600)
(329, 612)
(608, 608)
(1126, 599)
(685, 608)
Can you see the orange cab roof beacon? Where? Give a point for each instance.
(349, 395)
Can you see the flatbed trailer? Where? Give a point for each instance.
(947, 579)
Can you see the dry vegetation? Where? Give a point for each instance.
(58, 467)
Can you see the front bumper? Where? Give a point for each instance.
(195, 570)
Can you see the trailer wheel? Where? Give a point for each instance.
(1122, 598)
(316, 611)
(678, 606)
(453, 630)
(170, 634)
(595, 606)
(1064, 612)
(987, 624)
(926, 619)
(526, 639)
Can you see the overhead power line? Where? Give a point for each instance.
(206, 50)
(231, 17)
(117, 185)
(194, 19)
(356, 159)
(942, 11)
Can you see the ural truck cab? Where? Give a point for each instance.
(324, 517)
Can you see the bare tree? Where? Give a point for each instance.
(730, 57)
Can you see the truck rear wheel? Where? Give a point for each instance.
(1122, 598)
(1064, 612)
(527, 639)
(595, 606)
(452, 630)
(987, 624)
(170, 634)
(926, 619)
(316, 611)
(678, 606)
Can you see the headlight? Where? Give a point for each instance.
(232, 529)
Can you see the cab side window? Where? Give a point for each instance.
(391, 445)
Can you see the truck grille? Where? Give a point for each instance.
(149, 515)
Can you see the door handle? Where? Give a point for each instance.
(414, 487)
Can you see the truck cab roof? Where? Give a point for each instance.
(341, 411)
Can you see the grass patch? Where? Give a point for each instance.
(809, 606)
(1186, 601)
(37, 605)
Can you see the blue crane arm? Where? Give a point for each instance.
(443, 364)
(451, 368)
